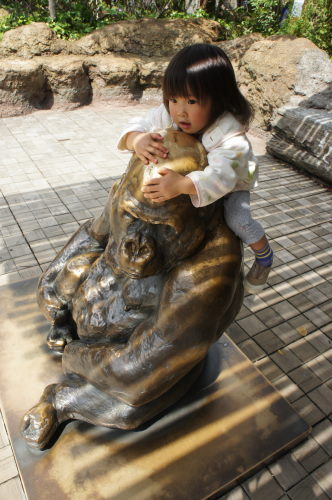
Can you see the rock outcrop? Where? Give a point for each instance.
(124, 60)
(127, 59)
(65, 82)
(278, 71)
(22, 86)
(30, 40)
(302, 130)
(145, 37)
(302, 135)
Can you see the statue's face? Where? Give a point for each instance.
(132, 249)
(140, 247)
(137, 252)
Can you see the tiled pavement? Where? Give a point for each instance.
(55, 169)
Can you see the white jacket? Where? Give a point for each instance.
(231, 163)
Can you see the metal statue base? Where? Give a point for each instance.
(231, 424)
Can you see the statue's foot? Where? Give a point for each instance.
(59, 336)
(39, 424)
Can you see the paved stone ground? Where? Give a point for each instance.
(55, 169)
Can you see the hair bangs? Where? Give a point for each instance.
(202, 78)
(185, 83)
(175, 84)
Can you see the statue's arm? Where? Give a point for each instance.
(89, 240)
(194, 310)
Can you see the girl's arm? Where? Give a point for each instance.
(139, 135)
(228, 164)
(169, 185)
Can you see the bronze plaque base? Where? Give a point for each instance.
(230, 425)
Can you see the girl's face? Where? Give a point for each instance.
(189, 114)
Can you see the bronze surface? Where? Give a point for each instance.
(231, 424)
(135, 299)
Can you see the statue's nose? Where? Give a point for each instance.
(138, 248)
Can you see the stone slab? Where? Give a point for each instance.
(232, 423)
(302, 137)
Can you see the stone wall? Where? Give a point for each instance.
(126, 61)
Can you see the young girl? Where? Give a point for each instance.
(201, 97)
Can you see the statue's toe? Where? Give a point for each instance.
(59, 337)
(56, 345)
(39, 424)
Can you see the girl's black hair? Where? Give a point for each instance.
(205, 71)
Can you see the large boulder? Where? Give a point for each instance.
(22, 86)
(236, 48)
(125, 77)
(31, 40)
(302, 130)
(303, 138)
(148, 37)
(302, 135)
(281, 70)
(68, 83)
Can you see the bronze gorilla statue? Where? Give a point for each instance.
(136, 298)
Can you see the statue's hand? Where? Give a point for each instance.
(53, 307)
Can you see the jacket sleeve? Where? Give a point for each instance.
(155, 118)
(228, 164)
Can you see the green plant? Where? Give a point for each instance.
(263, 16)
(315, 23)
(14, 20)
(199, 13)
(73, 19)
(76, 18)
(260, 16)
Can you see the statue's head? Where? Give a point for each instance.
(148, 237)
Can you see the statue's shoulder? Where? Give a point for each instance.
(219, 257)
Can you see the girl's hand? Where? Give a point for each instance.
(169, 185)
(148, 145)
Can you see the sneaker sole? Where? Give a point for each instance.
(253, 289)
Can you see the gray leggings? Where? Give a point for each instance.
(238, 217)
